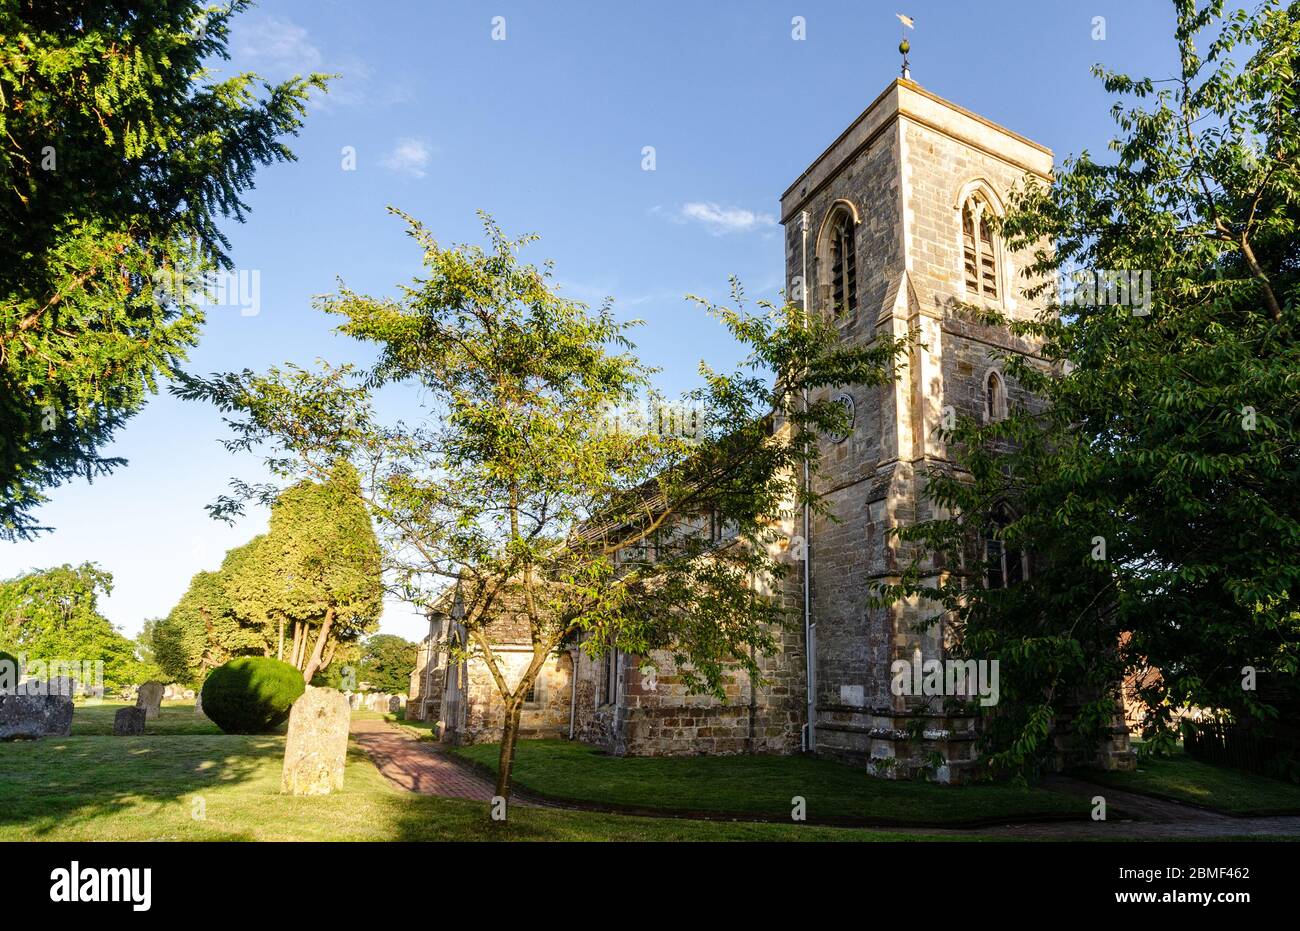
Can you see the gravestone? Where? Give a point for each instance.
(128, 722)
(317, 746)
(35, 716)
(394, 704)
(150, 699)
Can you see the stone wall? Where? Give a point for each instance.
(652, 712)
(482, 713)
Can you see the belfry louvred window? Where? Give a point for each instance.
(980, 250)
(844, 270)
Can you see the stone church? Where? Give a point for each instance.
(886, 231)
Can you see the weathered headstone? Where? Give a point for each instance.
(189, 695)
(34, 716)
(317, 746)
(128, 722)
(394, 704)
(150, 699)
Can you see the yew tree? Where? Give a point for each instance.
(319, 569)
(315, 574)
(121, 154)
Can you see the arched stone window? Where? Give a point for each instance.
(995, 397)
(844, 266)
(838, 262)
(611, 675)
(980, 250)
(1003, 567)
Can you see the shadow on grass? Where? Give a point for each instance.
(50, 783)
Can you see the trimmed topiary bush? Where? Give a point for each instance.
(251, 694)
(9, 670)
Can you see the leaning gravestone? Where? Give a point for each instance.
(34, 716)
(150, 699)
(317, 746)
(128, 722)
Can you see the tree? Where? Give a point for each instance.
(1156, 487)
(120, 157)
(323, 562)
(317, 569)
(52, 616)
(210, 624)
(387, 662)
(514, 486)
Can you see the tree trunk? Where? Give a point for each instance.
(279, 652)
(297, 639)
(318, 651)
(506, 762)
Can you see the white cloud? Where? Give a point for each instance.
(409, 157)
(720, 220)
(274, 45)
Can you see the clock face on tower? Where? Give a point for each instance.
(845, 401)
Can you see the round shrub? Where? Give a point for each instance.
(251, 694)
(9, 670)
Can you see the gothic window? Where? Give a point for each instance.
(720, 530)
(995, 398)
(844, 267)
(611, 676)
(1004, 567)
(979, 250)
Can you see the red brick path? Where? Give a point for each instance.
(417, 765)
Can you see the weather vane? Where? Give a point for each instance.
(904, 47)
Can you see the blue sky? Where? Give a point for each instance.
(545, 130)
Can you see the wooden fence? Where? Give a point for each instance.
(1243, 748)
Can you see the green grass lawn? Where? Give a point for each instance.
(173, 718)
(764, 786)
(153, 787)
(1184, 779)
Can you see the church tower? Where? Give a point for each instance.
(887, 231)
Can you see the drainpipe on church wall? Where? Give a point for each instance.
(810, 732)
(573, 690)
(429, 655)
